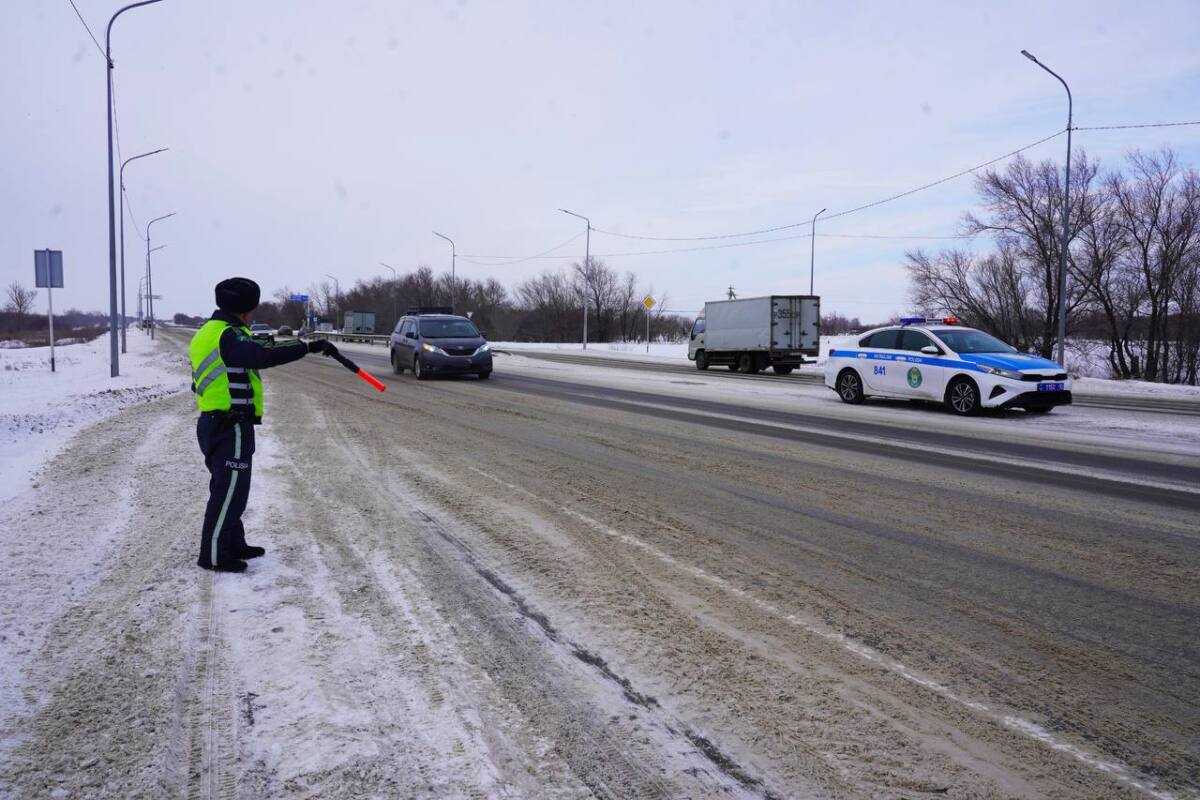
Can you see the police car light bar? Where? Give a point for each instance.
(950, 320)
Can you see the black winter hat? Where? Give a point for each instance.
(237, 295)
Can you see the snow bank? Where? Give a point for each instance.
(40, 410)
(635, 351)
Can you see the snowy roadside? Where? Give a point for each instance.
(41, 410)
(677, 354)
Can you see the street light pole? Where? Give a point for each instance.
(337, 297)
(813, 255)
(587, 264)
(121, 203)
(114, 356)
(453, 258)
(395, 299)
(1066, 217)
(150, 273)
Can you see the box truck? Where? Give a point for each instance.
(748, 335)
(361, 322)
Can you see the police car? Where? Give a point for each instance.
(940, 360)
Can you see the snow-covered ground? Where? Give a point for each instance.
(633, 351)
(637, 351)
(40, 410)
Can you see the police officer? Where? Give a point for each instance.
(229, 394)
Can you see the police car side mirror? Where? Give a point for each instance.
(931, 350)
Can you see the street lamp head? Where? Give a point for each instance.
(1030, 56)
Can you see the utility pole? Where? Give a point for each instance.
(121, 202)
(150, 273)
(395, 298)
(587, 265)
(114, 357)
(453, 259)
(813, 255)
(1066, 220)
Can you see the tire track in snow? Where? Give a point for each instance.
(1122, 773)
(212, 739)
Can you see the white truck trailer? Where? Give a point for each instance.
(748, 335)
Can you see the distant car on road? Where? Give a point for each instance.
(437, 342)
(939, 360)
(262, 332)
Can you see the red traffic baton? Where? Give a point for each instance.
(359, 371)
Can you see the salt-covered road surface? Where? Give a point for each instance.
(580, 582)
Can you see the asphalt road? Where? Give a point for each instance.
(818, 605)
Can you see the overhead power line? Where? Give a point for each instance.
(86, 28)
(1136, 125)
(856, 209)
(506, 260)
(727, 245)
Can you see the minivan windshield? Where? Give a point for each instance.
(448, 329)
(965, 340)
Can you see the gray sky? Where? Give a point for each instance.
(312, 138)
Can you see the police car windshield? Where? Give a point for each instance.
(965, 340)
(447, 329)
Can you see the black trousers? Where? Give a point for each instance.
(228, 447)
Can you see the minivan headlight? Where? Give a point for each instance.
(483, 348)
(430, 348)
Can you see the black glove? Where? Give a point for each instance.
(322, 346)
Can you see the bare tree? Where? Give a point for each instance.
(1159, 212)
(20, 301)
(600, 288)
(1024, 214)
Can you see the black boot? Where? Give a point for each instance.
(236, 565)
(250, 551)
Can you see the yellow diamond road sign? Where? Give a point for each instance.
(648, 302)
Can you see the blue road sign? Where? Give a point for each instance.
(47, 269)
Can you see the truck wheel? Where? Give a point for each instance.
(745, 364)
(396, 368)
(849, 387)
(962, 397)
(701, 360)
(782, 370)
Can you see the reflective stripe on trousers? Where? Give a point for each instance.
(237, 454)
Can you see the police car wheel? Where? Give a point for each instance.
(849, 387)
(962, 397)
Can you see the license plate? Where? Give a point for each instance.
(1051, 387)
